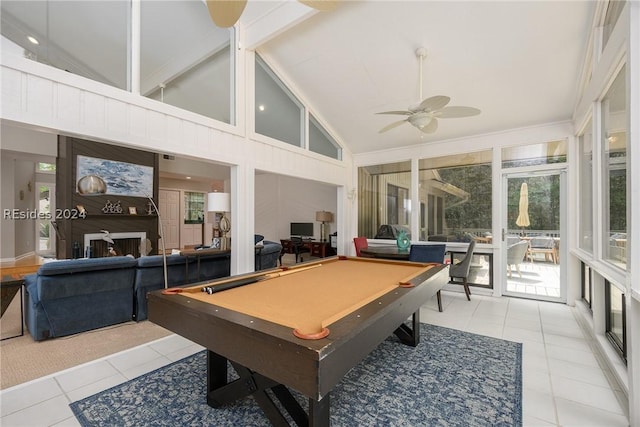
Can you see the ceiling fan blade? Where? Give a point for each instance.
(452, 112)
(225, 13)
(391, 126)
(321, 5)
(433, 103)
(402, 113)
(431, 127)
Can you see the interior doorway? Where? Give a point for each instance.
(534, 236)
(169, 207)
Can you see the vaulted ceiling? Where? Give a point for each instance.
(520, 62)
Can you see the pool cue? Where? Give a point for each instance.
(249, 280)
(230, 284)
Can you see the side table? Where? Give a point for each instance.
(10, 285)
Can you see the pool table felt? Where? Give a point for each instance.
(311, 299)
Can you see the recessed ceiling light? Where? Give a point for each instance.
(261, 107)
(33, 40)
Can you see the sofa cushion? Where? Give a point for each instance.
(69, 278)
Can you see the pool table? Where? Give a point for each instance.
(302, 327)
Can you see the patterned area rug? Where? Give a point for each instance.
(452, 378)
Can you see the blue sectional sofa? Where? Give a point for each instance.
(70, 296)
(180, 270)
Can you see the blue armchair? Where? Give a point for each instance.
(267, 253)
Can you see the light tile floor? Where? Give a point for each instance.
(563, 384)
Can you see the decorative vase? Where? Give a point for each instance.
(403, 241)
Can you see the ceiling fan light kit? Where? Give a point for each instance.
(424, 115)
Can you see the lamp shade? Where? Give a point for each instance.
(324, 216)
(219, 202)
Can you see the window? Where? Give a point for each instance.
(193, 208)
(321, 142)
(616, 318)
(585, 193)
(457, 193)
(185, 60)
(384, 197)
(534, 154)
(614, 158)
(278, 113)
(46, 167)
(47, 35)
(614, 9)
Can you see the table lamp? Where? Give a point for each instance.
(221, 202)
(324, 217)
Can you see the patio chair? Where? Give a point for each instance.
(516, 254)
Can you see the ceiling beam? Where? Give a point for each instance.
(274, 22)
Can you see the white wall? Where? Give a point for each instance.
(281, 200)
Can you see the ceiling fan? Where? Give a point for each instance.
(225, 13)
(425, 115)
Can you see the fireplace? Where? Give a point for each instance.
(123, 244)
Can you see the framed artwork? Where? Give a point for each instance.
(133, 210)
(121, 178)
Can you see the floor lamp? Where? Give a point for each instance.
(324, 217)
(221, 202)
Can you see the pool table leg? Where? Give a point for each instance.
(221, 392)
(319, 412)
(410, 335)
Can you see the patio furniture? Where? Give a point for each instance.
(516, 254)
(543, 245)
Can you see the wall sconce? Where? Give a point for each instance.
(324, 217)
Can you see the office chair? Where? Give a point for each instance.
(299, 247)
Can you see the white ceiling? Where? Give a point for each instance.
(518, 61)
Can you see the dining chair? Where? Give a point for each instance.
(427, 253)
(461, 270)
(360, 243)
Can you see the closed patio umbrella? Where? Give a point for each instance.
(523, 208)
